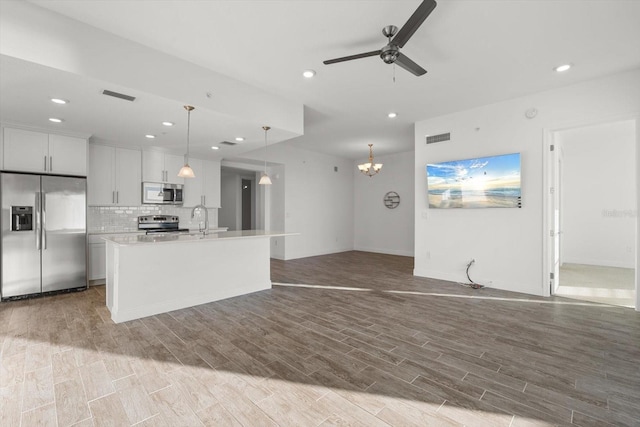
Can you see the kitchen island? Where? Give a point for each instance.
(152, 274)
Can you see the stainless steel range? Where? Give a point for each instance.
(153, 224)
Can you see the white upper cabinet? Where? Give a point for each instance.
(128, 177)
(211, 184)
(101, 181)
(161, 167)
(30, 151)
(67, 155)
(204, 189)
(193, 186)
(172, 165)
(115, 176)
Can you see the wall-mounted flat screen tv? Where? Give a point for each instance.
(484, 182)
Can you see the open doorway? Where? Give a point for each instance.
(248, 219)
(238, 199)
(593, 213)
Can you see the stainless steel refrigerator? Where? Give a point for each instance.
(44, 234)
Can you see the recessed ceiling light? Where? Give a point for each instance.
(308, 73)
(59, 101)
(167, 123)
(150, 136)
(239, 138)
(54, 120)
(213, 147)
(392, 115)
(562, 68)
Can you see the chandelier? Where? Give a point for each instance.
(370, 168)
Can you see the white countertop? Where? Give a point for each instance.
(136, 239)
(134, 232)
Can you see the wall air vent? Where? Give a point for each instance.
(119, 95)
(439, 138)
(228, 143)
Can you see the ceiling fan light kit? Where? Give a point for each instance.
(390, 53)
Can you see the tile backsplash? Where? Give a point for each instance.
(118, 219)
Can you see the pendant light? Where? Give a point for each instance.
(186, 171)
(370, 168)
(264, 179)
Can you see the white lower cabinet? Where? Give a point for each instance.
(98, 255)
(97, 261)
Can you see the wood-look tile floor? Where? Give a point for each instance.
(362, 343)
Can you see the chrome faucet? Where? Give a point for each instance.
(206, 217)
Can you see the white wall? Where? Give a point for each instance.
(277, 209)
(599, 194)
(376, 227)
(318, 202)
(507, 244)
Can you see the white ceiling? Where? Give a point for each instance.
(476, 52)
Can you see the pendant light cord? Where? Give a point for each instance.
(266, 128)
(188, 132)
(189, 108)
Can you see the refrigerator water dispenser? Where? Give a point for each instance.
(21, 218)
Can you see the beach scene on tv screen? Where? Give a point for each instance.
(484, 182)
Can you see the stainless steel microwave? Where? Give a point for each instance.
(162, 193)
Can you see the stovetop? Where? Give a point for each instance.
(153, 224)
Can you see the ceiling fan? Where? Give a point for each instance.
(391, 54)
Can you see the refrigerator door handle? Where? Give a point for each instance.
(37, 230)
(44, 220)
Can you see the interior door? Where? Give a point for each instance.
(64, 233)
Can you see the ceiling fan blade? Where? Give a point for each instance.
(409, 65)
(410, 27)
(349, 58)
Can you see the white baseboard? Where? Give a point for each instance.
(599, 262)
(399, 252)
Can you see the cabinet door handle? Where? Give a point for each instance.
(204, 200)
(50, 163)
(113, 197)
(45, 163)
(117, 197)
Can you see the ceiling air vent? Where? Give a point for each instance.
(119, 95)
(439, 138)
(228, 143)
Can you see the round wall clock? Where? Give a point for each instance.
(391, 200)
